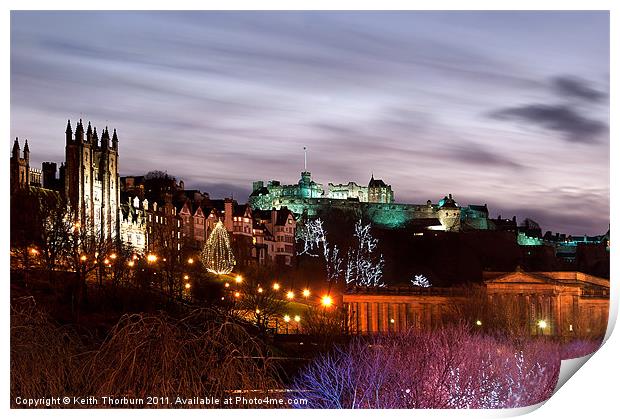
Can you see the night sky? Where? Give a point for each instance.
(505, 108)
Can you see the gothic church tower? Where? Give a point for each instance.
(92, 183)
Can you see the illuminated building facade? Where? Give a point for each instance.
(92, 184)
(561, 304)
(374, 202)
(88, 179)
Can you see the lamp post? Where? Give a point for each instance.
(542, 325)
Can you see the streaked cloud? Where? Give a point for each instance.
(220, 99)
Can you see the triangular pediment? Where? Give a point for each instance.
(522, 278)
(185, 210)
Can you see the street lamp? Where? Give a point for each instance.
(287, 319)
(188, 286)
(297, 318)
(151, 258)
(306, 293)
(186, 277)
(238, 279)
(190, 261)
(290, 295)
(83, 258)
(327, 301)
(113, 256)
(542, 324)
(276, 286)
(260, 290)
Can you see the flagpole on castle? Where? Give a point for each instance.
(305, 160)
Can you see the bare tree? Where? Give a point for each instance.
(313, 238)
(261, 304)
(445, 368)
(323, 322)
(420, 281)
(169, 257)
(363, 267)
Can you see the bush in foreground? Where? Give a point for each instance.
(201, 354)
(448, 368)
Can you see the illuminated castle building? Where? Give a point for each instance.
(374, 202)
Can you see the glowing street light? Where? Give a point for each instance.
(227, 285)
(83, 258)
(260, 290)
(478, 323)
(257, 311)
(306, 293)
(327, 301)
(34, 251)
(238, 279)
(135, 257)
(113, 256)
(287, 318)
(130, 263)
(290, 295)
(186, 277)
(237, 294)
(106, 261)
(190, 261)
(297, 318)
(542, 324)
(188, 286)
(276, 286)
(151, 258)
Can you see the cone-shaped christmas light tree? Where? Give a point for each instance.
(217, 255)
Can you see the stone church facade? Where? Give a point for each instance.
(88, 179)
(92, 182)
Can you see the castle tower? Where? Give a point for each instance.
(92, 182)
(49, 170)
(20, 167)
(449, 214)
(379, 192)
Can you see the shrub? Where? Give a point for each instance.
(446, 368)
